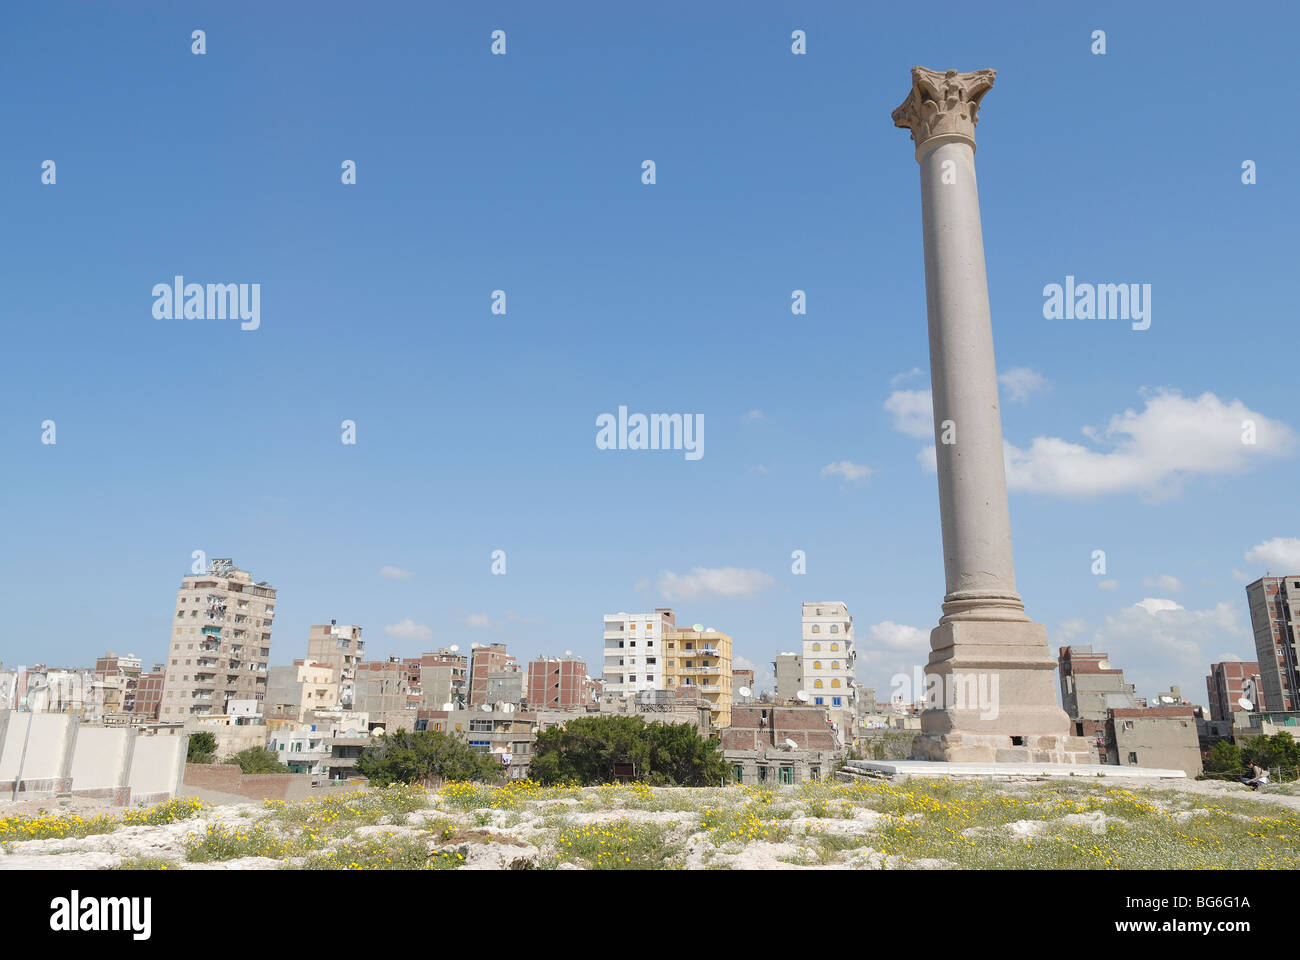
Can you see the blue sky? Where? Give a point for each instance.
(522, 172)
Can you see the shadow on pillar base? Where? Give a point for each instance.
(993, 686)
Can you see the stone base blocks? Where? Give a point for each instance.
(992, 697)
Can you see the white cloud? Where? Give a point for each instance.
(1164, 582)
(1173, 438)
(480, 620)
(1281, 555)
(898, 636)
(408, 629)
(759, 469)
(1108, 584)
(898, 378)
(753, 416)
(716, 582)
(1157, 642)
(850, 471)
(1241, 576)
(394, 573)
(1154, 605)
(1067, 630)
(913, 412)
(516, 618)
(928, 458)
(1020, 382)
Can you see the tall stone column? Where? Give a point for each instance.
(991, 677)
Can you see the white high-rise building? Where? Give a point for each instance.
(829, 657)
(634, 653)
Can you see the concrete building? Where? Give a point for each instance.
(444, 678)
(504, 686)
(389, 691)
(559, 683)
(679, 705)
(485, 659)
(117, 678)
(1154, 737)
(701, 661)
(1274, 612)
(1230, 682)
(148, 693)
(829, 656)
(633, 647)
(742, 678)
(788, 668)
(293, 691)
(341, 649)
(220, 643)
(1090, 685)
(780, 744)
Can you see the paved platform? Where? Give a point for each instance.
(936, 768)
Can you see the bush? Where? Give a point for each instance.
(202, 748)
(428, 757)
(258, 760)
(586, 749)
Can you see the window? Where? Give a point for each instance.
(817, 664)
(739, 771)
(837, 701)
(835, 628)
(816, 629)
(817, 684)
(671, 645)
(819, 700)
(835, 683)
(834, 647)
(787, 774)
(1133, 759)
(631, 626)
(817, 647)
(762, 774)
(835, 664)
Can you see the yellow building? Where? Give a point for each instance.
(701, 659)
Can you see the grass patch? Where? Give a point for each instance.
(147, 863)
(48, 826)
(381, 853)
(619, 845)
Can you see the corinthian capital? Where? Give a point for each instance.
(943, 104)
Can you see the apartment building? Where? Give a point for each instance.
(788, 667)
(780, 744)
(1229, 683)
(485, 659)
(341, 649)
(558, 683)
(1091, 685)
(700, 658)
(829, 656)
(291, 692)
(389, 691)
(117, 679)
(1274, 615)
(220, 642)
(508, 735)
(148, 693)
(444, 678)
(633, 648)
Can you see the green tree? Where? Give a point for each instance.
(1224, 760)
(202, 748)
(258, 760)
(587, 748)
(429, 757)
(1279, 753)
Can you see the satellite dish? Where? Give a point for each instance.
(1245, 704)
(377, 732)
(534, 729)
(448, 706)
(486, 708)
(801, 696)
(698, 628)
(474, 645)
(568, 653)
(790, 744)
(1103, 665)
(746, 692)
(708, 630)
(507, 708)
(454, 647)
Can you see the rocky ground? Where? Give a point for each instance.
(869, 824)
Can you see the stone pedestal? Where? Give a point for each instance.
(994, 678)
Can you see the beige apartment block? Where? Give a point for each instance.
(340, 648)
(700, 659)
(294, 691)
(220, 643)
